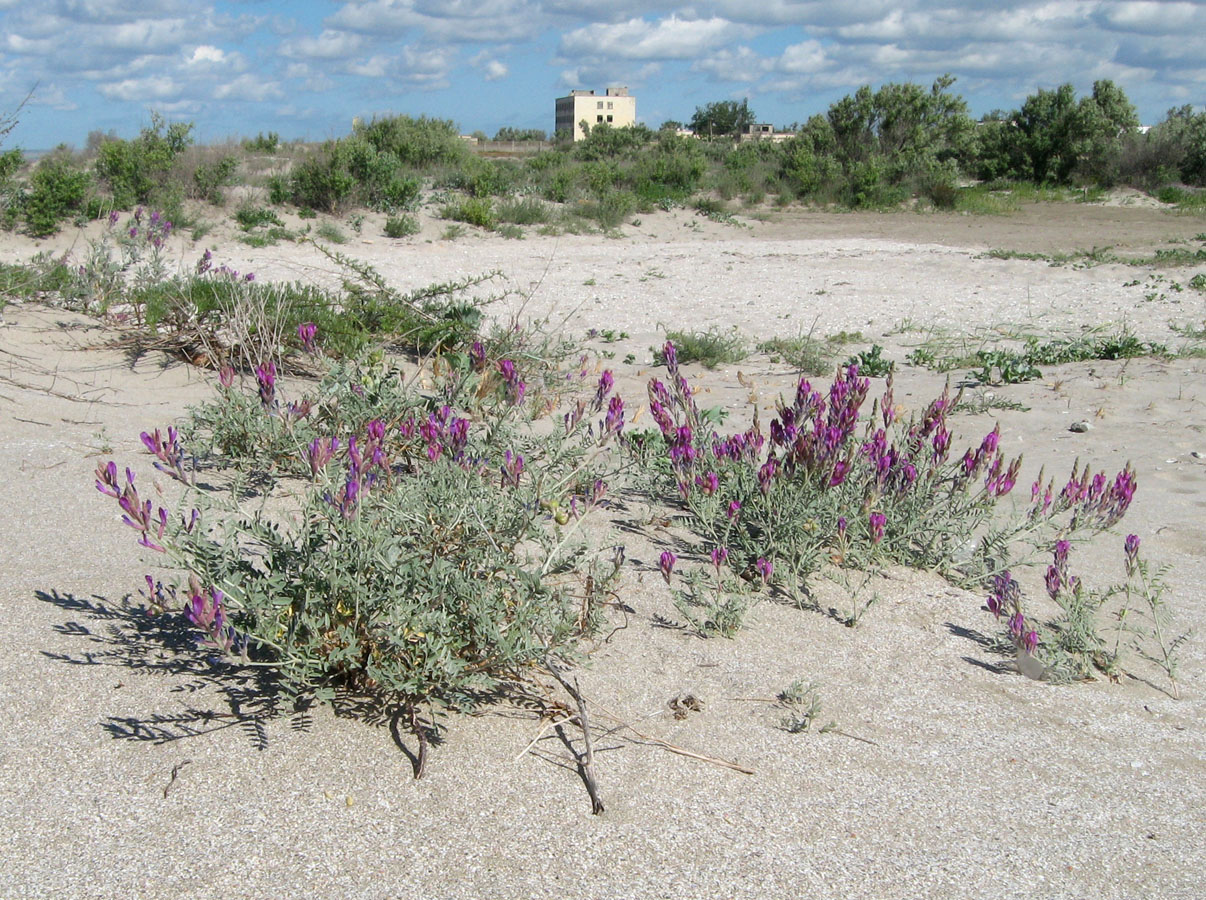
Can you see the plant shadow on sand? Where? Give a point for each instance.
(122, 634)
(244, 696)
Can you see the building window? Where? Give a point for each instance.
(609, 104)
(598, 118)
(609, 118)
(600, 104)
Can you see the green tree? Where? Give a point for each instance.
(724, 118)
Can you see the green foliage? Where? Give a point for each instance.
(725, 118)
(804, 353)
(871, 362)
(420, 143)
(406, 572)
(471, 210)
(401, 226)
(139, 170)
(524, 211)
(709, 348)
(57, 190)
(263, 143)
(331, 232)
(351, 171)
(250, 217)
(210, 178)
(1055, 138)
(507, 133)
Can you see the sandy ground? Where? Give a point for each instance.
(131, 767)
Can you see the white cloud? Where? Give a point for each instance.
(206, 54)
(140, 89)
(328, 44)
(250, 88)
(671, 38)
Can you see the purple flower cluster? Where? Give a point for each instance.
(1093, 499)
(265, 376)
(1005, 599)
(169, 455)
(306, 333)
(206, 610)
(137, 513)
(513, 387)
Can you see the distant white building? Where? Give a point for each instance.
(615, 108)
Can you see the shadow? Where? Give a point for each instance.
(127, 636)
(1008, 666)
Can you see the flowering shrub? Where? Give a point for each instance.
(1092, 632)
(828, 488)
(430, 551)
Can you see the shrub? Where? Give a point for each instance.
(401, 226)
(375, 582)
(709, 348)
(57, 190)
(138, 171)
(210, 178)
(820, 498)
(471, 210)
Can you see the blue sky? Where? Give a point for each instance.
(305, 68)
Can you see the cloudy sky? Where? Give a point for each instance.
(304, 68)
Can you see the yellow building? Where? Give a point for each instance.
(615, 108)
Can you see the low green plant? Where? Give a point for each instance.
(426, 556)
(252, 217)
(401, 226)
(871, 362)
(802, 701)
(806, 354)
(827, 491)
(524, 211)
(331, 233)
(709, 348)
(475, 211)
(1096, 631)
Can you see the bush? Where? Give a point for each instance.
(471, 210)
(210, 178)
(401, 226)
(138, 171)
(57, 190)
(374, 582)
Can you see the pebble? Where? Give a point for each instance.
(1080, 427)
(1197, 454)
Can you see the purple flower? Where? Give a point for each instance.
(877, 521)
(606, 382)
(226, 376)
(1030, 641)
(307, 331)
(512, 469)
(719, 556)
(765, 569)
(265, 375)
(106, 479)
(477, 356)
(250, 276)
(614, 423)
(670, 355)
(709, 483)
(320, 452)
(1054, 582)
(733, 510)
(1131, 548)
(666, 564)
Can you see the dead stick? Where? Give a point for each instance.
(587, 762)
(673, 748)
